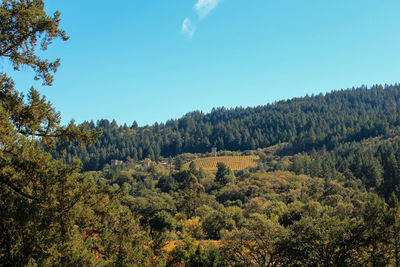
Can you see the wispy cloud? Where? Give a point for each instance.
(188, 28)
(203, 7)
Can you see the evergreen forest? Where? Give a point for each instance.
(308, 123)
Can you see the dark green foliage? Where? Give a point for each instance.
(178, 163)
(22, 25)
(255, 243)
(316, 122)
(221, 177)
(162, 220)
(206, 258)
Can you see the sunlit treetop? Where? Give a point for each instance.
(23, 25)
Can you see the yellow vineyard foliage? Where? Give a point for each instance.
(235, 163)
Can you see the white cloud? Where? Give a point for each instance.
(188, 28)
(203, 7)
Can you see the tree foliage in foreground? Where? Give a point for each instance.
(50, 214)
(22, 25)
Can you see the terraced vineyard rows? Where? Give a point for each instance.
(235, 163)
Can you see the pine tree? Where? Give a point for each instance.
(40, 197)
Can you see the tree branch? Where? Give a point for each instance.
(19, 191)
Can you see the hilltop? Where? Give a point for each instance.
(307, 123)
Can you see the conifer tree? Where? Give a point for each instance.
(41, 197)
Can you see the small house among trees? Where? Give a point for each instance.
(115, 163)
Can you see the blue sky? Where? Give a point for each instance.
(152, 60)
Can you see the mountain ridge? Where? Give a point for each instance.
(307, 123)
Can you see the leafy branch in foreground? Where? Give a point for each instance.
(22, 25)
(41, 198)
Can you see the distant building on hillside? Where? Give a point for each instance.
(115, 163)
(147, 162)
(164, 164)
(214, 151)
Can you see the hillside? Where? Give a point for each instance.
(307, 123)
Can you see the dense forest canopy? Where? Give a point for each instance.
(307, 123)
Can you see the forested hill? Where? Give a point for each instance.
(307, 123)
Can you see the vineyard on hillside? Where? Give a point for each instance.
(235, 163)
